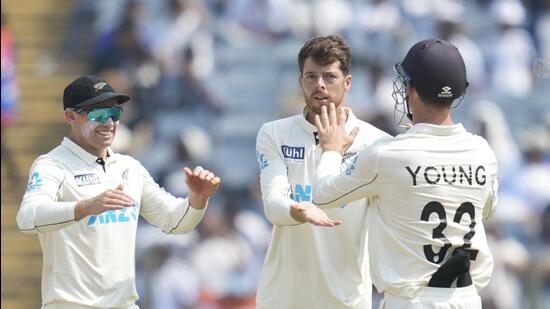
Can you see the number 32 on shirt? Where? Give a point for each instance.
(465, 208)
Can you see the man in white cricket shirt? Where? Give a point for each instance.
(429, 189)
(308, 265)
(83, 200)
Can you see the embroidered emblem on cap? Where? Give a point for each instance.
(445, 93)
(99, 86)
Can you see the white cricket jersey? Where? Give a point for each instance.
(308, 266)
(429, 190)
(91, 262)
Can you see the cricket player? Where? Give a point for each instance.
(310, 265)
(83, 200)
(430, 189)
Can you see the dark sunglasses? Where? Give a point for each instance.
(102, 114)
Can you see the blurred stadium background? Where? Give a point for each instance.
(204, 75)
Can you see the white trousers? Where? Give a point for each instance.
(435, 298)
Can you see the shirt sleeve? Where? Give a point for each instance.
(335, 186)
(40, 209)
(162, 209)
(274, 181)
(492, 200)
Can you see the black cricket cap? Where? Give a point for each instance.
(87, 90)
(437, 70)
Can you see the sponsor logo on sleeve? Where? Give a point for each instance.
(35, 182)
(351, 167)
(261, 160)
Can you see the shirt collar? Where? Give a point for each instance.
(351, 122)
(433, 129)
(81, 153)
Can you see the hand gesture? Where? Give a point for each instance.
(307, 212)
(331, 128)
(202, 185)
(111, 199)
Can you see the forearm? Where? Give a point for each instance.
(44, 217)
(278, 210)
(334, 189)
(198, 202)
(184, 218)
(329, 167)
(172, 215)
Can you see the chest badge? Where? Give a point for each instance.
(87, 179)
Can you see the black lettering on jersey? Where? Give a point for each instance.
(467, 176)
(431, 181)
(434, 175)
(484, 178)
(445, 175)
(413, 174)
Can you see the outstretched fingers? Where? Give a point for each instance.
(333, 121)
(325, 222)
(324, 118)
(342, 116)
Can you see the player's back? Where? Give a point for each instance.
(433, 184)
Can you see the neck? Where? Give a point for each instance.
(100, 153)
(433, 115)
(310, 116)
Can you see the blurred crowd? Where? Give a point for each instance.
(204, 75)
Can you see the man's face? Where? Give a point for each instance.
(93, 136)
(323, 84)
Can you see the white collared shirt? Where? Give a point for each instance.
(308, 266)
(92, 262)
(429, 186)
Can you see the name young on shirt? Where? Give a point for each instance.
(448, 174)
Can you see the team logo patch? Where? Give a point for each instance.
(35, 182)
(261, 160)
(87, 179)
(351, 167)
(296, 153)
(445, 92)
(99, 86)
(347, 155)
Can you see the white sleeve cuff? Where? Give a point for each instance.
(187, 218)
(278, 211)
(330, 164)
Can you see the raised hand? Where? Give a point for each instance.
(331, 128)
(202, 185)
(111, 199)
(307, 212)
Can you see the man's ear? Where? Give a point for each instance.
(70, 116)
(347, 82)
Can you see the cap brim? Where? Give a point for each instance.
(121, 98)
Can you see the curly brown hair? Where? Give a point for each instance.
(326, 50)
